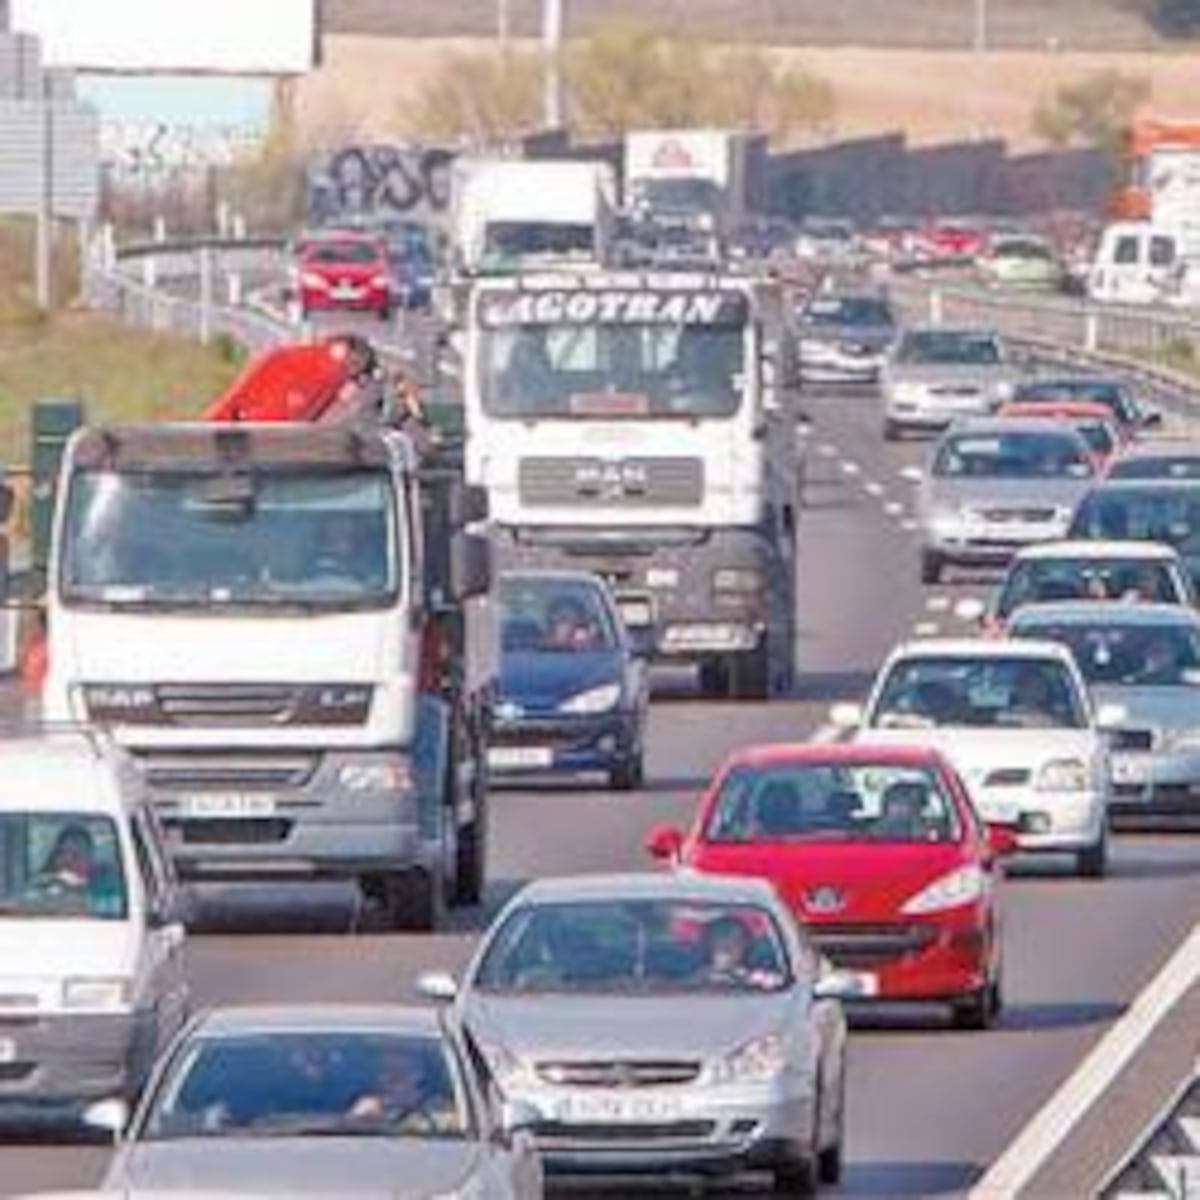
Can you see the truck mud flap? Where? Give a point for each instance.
(431, 751)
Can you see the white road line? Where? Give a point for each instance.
(927, 629)
(938, 604)
(1049, 1127)
(827, 450)
(874, 489)
(911, 525)
(850, 468)
(893, 508)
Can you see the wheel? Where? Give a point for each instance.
(794, 1178)
(629, 774)
(979, 1009)
(385, 313)
(829, 1158)
(931, 567)
(471, 860)
(1092, 863)
(714, 677)
(750, 674)
(891, 431)
(412, 901)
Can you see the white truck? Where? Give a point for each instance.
(269, 617)
(704, 179)
(513, 214)
(629, 423)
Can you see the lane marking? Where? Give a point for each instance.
(911, 525)
(927, 629)
(893, 508)
(827, 450)
(938, 604)
(850, 468)
(1053, 1123)
(874, 489)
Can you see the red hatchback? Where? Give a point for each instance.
(344, 271)
(878, 851)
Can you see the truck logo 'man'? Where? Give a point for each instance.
(610, 479)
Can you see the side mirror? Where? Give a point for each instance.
(846, 716)
(1003, 840)
(470, 505)
(844, 985)
(470, 565)
(437, 985)
(642, 641)
(108, 1116)
(1110, 717)
(665, 843)
(1151, 418)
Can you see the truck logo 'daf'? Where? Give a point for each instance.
(610, 480)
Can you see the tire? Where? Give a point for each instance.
(471, 860)
(830, 1158)
(891, 431)
(932, 567)
(385, 313)
(978, 1010)
(629, 774)
(750, 674)
(1092, 863)
(412, 901)
(794, 1178)
(714, 677)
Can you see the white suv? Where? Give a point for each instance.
(1017, 720)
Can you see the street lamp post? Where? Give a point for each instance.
(979, 43)
(553, 20)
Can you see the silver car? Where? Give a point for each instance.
(933, 376)
(378, 1102)
(995, 485)
(663, 1024)
(842, 337)
(1143, 660)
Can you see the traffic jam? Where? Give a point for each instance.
(317, 634)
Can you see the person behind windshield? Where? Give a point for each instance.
(1032, 699)
(529, 380)
(726, 950)
(344, 554)
(569, 626)
(1160, 664)
(408, 1095)
(73, 870)
(700, 378)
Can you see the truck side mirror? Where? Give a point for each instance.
(470, 504)
(470, 565)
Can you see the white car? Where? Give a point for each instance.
(1017, 721)
(91, 969)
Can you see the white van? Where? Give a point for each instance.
(1141, 262)
(92, 980)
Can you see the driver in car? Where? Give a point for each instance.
(408, 1094)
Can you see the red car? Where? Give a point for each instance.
(344, 272)
(879, 852)
(957, 241)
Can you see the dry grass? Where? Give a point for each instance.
(930, 95)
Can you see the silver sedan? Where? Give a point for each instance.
(297, 1102)
(662, 1024)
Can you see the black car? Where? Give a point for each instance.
(1130, 413)
(1158, 459)
(573, 688)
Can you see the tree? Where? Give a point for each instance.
(1092, 111)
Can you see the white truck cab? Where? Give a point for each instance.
(92, 982)
(1145, 262)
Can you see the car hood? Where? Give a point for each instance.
(1064, 492)
(677, 1025)
(874, 879)
(544, 679)
(341, 1168)
(875, 336)
(1153, 707)
(950, 373)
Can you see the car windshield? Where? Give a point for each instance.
(832, 803)
(310, 1084)
(555, 615)
(978, 693)
(198, 538)
(60, 864)
(1085, 391)
(949, 348)
(1018, 455)
(1125, 654)
(343, 252)
(681, 195)
(1157, 466)
(1022, 249)
(623, 355)
(1043, 581)
(849, 310)
(641, 947)
(1169, 515)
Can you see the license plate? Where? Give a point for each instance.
(227, 804)
(516, 757)
(617, 1109)
(636, 612)
(8, 1051)
(346, 291)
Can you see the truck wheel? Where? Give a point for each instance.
(891, 431)
(1092, 863)
(412, 901)
(931, 567)
(750, 674)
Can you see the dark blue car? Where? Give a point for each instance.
(573, 689)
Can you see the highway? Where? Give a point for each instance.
(929, 1108)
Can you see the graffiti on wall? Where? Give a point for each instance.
(380, 181)
(150, 150)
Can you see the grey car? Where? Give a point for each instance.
(662, 1024)
(1144, 660)
(996, 485)
(933, 376)
(842, 337)
(298, 1101)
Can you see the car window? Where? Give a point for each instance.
(1094, 391)
(978, 693)
(1043, 581)
(832, 803)
(948, 347)
(61, 864)
(1156, 466)
(1162, 251)
(1098, 435)
(849, 310)
(1168, 516)
(1127, 250)
(1022, 455)
(1124, 654)
(636, 947)
(273, 1084)
(547, 614)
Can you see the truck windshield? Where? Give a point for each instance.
(522, 239)
(683, 194)
(324, 541)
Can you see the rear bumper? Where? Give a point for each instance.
(1160, 790)
(561, 744)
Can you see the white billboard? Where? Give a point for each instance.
(228, 37)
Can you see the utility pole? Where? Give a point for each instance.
(979, 42)
(44, 250)
(503, 24)
(553, 21)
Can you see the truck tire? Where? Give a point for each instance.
(932, 567)
(750, 674)
(413, 901)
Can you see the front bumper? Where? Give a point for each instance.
(686, 1128)
(990, 543)
(368, 300)
(929, 410)
(832, 364)
(1073, 820)
(561, 743)
(1159, 788)
(60, 1061)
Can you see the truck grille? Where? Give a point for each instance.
(232, 832)
(870, 945)
(220, 772)
(227, 703)
(618, 1074)
(629, 482)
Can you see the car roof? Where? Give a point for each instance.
(794, 753)
(647, 886)
(974, 426)
(1043, 410)
(1154, 484)
(996, 648)
(1097, 549)
(61, 772)
(238, 1020)
(1097, 612)
(1074, 379)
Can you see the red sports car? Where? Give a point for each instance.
(877, 850)
(344, 271)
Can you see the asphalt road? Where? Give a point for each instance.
(928, 1108)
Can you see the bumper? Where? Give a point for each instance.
(59, 1062)
(319, 826)
(1161, 789)
(930, 412)
(990, 546)
(832, 366)
(696, 1129)
(554, 744)
(1073, 820)
(371, 300)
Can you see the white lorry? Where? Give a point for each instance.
(265, 616)
(705, 179)
(629, 423)
(516, 214)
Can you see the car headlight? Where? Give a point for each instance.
(106, 993)
(903, 390)
(756, 1062)
(737, 579)
(1003, 390)
(594, 700)
(310, 279)
(947, 520)
(395, 776)
(1064, 775)
(333, 704)
(962, 886)
(380, 281)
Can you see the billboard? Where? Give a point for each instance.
(226, 37)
